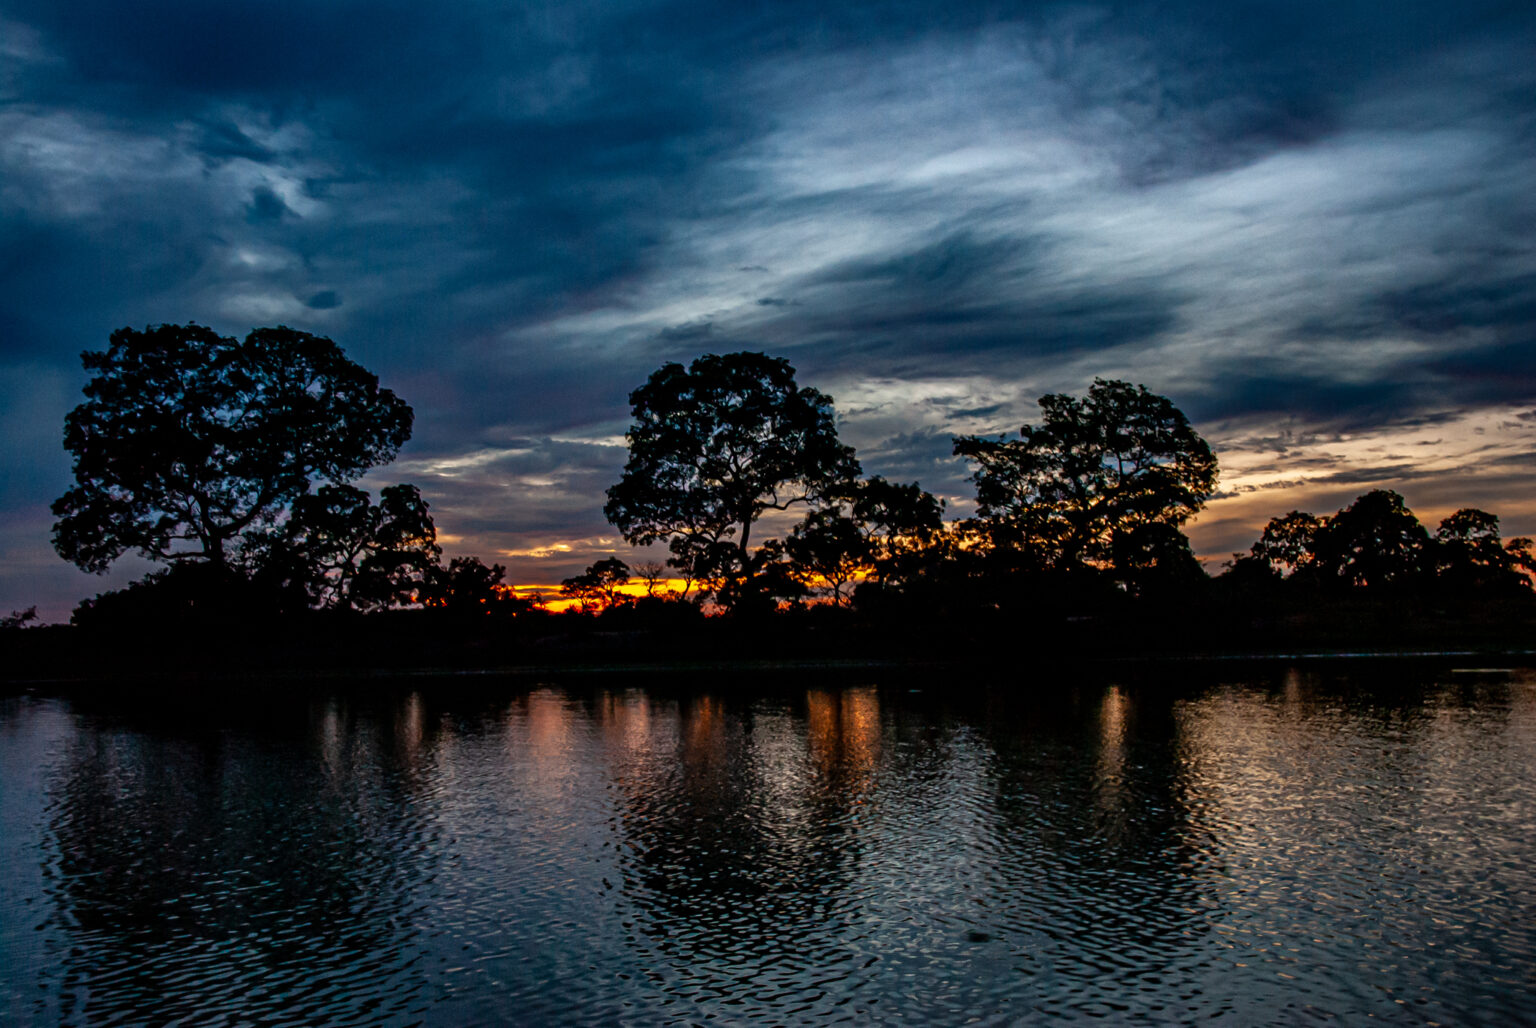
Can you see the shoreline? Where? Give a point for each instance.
(1488, 662)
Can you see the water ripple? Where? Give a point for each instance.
(1290, 850)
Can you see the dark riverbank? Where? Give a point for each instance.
(678, 641)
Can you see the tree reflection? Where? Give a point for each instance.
(739, 834)
(208, 874)
(1099, 831)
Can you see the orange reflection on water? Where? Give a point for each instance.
(705, 733)
(1109, 781)
(541, 740)
(843, 729)
(627, 721)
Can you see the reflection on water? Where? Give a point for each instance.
(1279, 850)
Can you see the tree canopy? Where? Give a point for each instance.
(600, 586)
(713, 447)
(1375, 541)
(188, 439)
(345, 551)
(1093, 469)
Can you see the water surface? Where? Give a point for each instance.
(1283, 848)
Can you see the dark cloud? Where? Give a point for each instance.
(266, 205)
(222, 140)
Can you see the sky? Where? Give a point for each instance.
(1311, 225)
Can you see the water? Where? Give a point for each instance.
(1291, 848)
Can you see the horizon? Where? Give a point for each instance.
(1307, 226)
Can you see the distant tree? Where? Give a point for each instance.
(347, 552)
(18, 619)
(1522, 557)
(653, 573)
(1289, 542)
(713, 447)
(189, 439)
(1375, 541)
(1093, 469)
(904, 528)
(1155, 559)
(1246, 574)
(466, 586)
(828, 548)
(772, 584)
(1470, 554)
(600, 586)
(880, 531)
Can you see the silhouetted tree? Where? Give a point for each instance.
(1470, 554)
(1522, 557)
(347, 552)
(1154, 558)
(1289, 542)
(904, 527)
(1093, 468)
(653, 573)
(828, 548)
(1247, 578)
(18, 619)
(772, 583)
(880, 531)
(189, 439)
(1375, 541)
(598, 586)
(714, 446)
(466, 586)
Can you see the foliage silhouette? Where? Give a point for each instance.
(881, 532)
(1375, 541)
(189, 439)
(713, 447)
(653, 573)
(1289, 542)
(344, 551)
(828, 548)
(468, 586)
(1470, 556)
(598, 587)
(199, 597)
(1093, 469)
(18, 619)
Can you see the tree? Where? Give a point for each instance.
(1375, 541)
(1470, 555)
(600, 585)
(189, 439)
(346, 551)
(882, 531)
(1154, 559)
(653, 573)
(1289, 542)
(18, 619)
(713, 447)
(828, 547)
(1092, 469)
(904, 526)
(466, 586)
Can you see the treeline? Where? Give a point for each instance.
(230, 461)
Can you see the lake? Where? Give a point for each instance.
(1226, 845)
